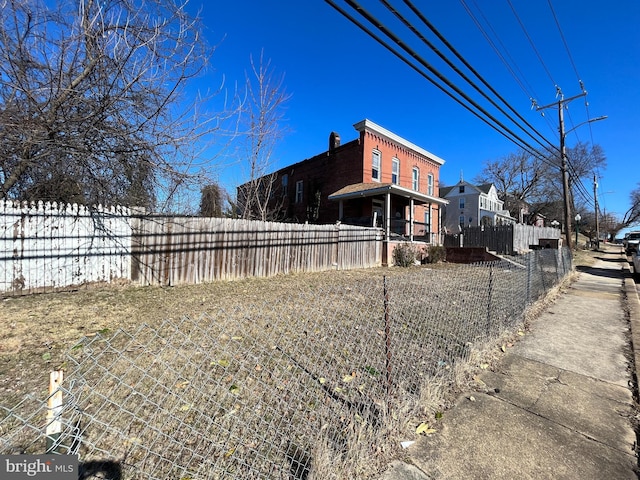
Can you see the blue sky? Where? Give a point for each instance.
(337, 75)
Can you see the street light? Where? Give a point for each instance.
(578, 218)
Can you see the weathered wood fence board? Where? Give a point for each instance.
(47, 246)
(177, 250)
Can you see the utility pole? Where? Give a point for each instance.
(595, 201)
(563, 161)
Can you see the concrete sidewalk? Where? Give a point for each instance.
(560, 405)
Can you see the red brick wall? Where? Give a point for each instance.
(347, 164)
(408, 159)
(326, 173)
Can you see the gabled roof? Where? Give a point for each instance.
(357, 190)
(444, 191)
(484, 188)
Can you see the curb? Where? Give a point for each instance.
(633, 306)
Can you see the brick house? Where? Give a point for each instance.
(377, 179)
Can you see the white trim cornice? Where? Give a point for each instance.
(373, 127)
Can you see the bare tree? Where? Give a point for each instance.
(92, 105)
(632, 216)
(260, 198)
(520, 177)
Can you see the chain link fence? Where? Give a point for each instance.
(326, 376)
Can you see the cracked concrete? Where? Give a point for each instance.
(560, 404)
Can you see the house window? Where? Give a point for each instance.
(461, 220)
(415, 178)
(461, 189)
(285, 184)
(462, 203)
(375, 165)
(299, 186)
(395, 171)
(430, 184)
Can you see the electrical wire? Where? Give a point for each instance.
(533, 46)
(446, 86)
(486, 117)
(465, 63)
(566, 46)
(510, 64)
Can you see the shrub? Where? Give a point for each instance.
(405, 254)
(437, 253)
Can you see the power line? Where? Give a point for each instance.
(573, 64)
(566, 46)
(466, 64)
(417, 63)
(518, 76)
(511, 65)
(486, 117)
(533, 46)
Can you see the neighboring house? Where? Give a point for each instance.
(472, 206)
(377, 179)
(524, 212)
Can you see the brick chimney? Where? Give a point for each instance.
(334, 141)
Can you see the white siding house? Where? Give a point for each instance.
(473, 205)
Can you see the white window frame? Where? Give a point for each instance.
(376, 161)
(415, 178)
(395, 171)
(430, 184)
(299, 191)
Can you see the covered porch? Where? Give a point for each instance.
(402, 213)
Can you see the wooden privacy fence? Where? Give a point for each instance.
(45, 246)
(49, 246)
(178, 250)
(503, 239)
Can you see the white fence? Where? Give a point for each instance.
(46, 246)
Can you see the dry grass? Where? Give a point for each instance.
(38, 331)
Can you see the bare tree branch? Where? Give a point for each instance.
(266, 98)
(93, 101)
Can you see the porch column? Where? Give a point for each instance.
(429, 227)
(411, 220)
(440, 229)
(387, 214)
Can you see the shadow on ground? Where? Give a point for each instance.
(601, 272)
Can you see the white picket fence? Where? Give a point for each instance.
(45, 246)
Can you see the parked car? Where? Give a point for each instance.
(636, 265)
(631, 241)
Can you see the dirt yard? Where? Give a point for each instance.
(37, 331)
